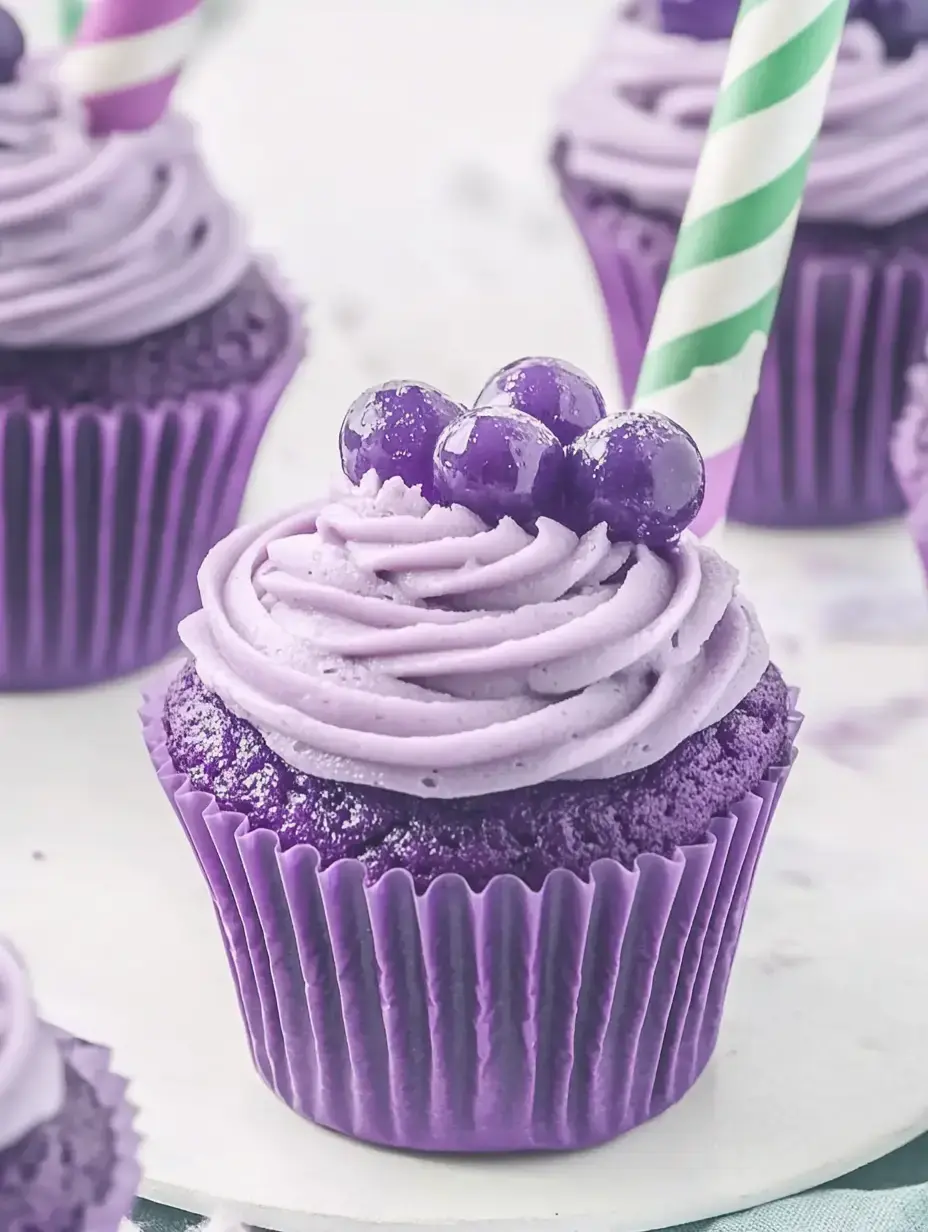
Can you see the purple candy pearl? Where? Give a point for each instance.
(500, 463)
(902, 23)
(639, 473)
(12, 46)
(392, 429)
(698, 19)
(562, 397)
(709, 20)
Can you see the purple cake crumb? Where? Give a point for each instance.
(527, 833)
(59, 1171)
(235, 342)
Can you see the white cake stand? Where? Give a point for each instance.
(821, 1065)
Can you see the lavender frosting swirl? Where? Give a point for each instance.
(103, 240)
(637, 119)
(31, 1068)
(377, 639)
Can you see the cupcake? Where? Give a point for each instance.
(67, 1148)
(142, 351)
(854, 304)
(477, 757)
(910, 458)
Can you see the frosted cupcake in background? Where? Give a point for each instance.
(477, 756)
(853, 311)
(910, 458)
(142, 351)
(67, 1147)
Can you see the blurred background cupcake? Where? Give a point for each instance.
(853, 311)
(479, 777)
(910, 457)
(143, 348)
(67, 1146)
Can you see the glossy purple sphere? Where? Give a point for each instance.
(12, 46)
(392, 429)
(902, 23)
(698, 19)
(557, 393)
(639, 473)
(500, 463)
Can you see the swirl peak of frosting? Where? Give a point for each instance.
(635, 122)
(103, 240)
(377, 639)
(31, 1068)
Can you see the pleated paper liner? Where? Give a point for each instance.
(116, 1193)
(852, 318)
(909, 453)
(506, 1020)
(105, 516)
(909, 446)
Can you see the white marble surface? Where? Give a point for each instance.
(393, 157)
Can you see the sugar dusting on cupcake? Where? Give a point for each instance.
(67, 1146)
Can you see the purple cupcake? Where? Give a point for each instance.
(142, 351)
(477, 758)
(910, 458)
(853, 310)
(67, 1147)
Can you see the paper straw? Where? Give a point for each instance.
(216, 15)
(70, 16)
(703, 358)
(127, 57)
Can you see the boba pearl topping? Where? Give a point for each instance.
(640, 474)
(538, 445)
(12, 46)
(556, 393)
(392, 430)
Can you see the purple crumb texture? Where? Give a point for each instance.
(64, 1168)
(528, 832)
(236, 342)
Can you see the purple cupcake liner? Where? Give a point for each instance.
(909, 445)
(852, 318)
(93, 1064)
(918, 528)
(505, 1020)
(909, 451)
(106, 515)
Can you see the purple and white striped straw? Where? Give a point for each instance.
(127, 57)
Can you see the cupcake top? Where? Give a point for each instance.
(32, 1084)
(493, 598)
(636, 120)
(103, 240)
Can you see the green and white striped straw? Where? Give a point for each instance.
(703, 359)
